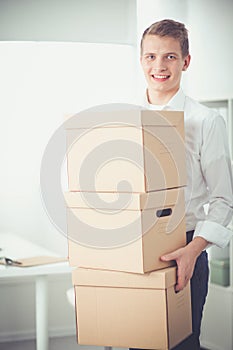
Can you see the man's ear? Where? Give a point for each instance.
(187, 60)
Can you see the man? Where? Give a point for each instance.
(164, 56)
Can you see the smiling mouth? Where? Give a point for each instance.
(160, 77)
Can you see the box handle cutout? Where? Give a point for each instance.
(163, 212)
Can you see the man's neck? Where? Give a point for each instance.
(159, 98)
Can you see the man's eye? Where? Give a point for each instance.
(150, 57)
(171, 57)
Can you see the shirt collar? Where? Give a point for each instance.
(176, 103)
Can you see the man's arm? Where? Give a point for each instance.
(217, 174)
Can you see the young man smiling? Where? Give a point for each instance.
(163, 61)
(164, 56)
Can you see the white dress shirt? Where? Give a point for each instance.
(209, 174)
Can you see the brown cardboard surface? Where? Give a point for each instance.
(135, 238)
(134, 201)
(157, 135)
(129, 316)
(179, 314)
(160, 279)
(135, 117)
(170, 169)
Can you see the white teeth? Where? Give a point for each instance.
(160, 76)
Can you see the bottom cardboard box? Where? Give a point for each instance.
(122, 309)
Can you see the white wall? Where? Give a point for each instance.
(210, 24)
(41, 83)
(106, 21)
(150, 11)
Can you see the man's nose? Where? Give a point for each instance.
(159, 66)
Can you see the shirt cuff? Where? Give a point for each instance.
(213, 233)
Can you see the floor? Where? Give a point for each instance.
(67, 343)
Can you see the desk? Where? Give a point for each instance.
(15, 247)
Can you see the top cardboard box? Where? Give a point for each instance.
(133, 150)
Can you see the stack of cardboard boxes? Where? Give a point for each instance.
(125, 208)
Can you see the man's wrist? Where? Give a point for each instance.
(197, 245)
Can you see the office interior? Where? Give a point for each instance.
(59, 58)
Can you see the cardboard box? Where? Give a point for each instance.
(220, 272)
(131, 310)
(143, 148)
(125, 232)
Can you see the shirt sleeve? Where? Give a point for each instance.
(217, 174)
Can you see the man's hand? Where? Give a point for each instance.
(185, 259)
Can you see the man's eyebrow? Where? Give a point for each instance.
(149, 53)
(164, 54)
(171, 53)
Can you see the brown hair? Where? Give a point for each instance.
(170, 28)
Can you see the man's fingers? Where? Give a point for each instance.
(183, 268)
(169, 257)
(180, 281)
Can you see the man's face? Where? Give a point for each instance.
(162, 64)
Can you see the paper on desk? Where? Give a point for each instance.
(37, 260)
